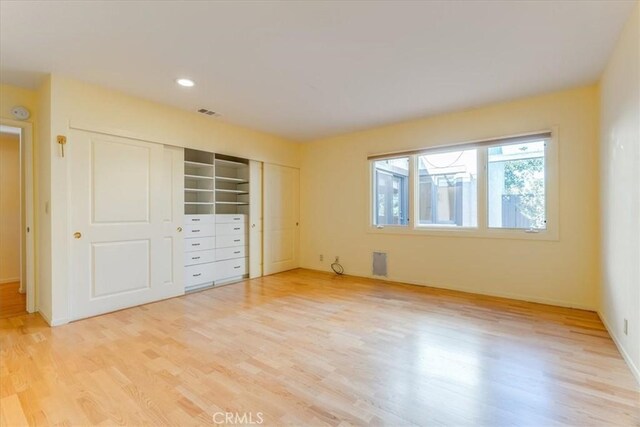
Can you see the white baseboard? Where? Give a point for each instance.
(55, 322)
(520, 297)
(634, 369)
(9, 280)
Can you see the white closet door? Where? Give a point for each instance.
(281, 218)
(126, 210)
(255, 219)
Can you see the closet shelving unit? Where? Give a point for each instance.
(199, 183)
(231, 185)
(216, 194)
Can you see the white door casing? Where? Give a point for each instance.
(281, 218)
(126, 204)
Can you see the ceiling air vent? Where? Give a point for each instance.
(207, 112)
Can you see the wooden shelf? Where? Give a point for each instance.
(197, 190)
(222, 190)
(232, 203)
(199, 164)
(199, 203)
(198, 177)
(229, 179)
(230, 163)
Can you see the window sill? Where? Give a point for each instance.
(472, 232)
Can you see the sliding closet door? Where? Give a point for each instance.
(281, 218)
(126, 214)
(255, 219)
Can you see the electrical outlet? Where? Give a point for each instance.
(321, 257)
(626, 327)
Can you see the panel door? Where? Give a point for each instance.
(281, 218)
(126, 213)
(255, 219)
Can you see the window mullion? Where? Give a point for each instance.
(413, 188)
(482, 189)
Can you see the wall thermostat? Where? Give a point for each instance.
(20, 113)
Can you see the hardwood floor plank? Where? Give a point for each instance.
(310, 348)
(12, 302)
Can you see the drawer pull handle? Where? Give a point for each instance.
(237, 266)
(195, 244)
(236, 228)
(197, 274)
(236, 219)
(236, 252)
(195, 231)
(195, 257)
(195, 219)
(237, 240)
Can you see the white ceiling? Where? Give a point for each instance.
(310, 69)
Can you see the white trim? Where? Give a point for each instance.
(552, 200)
(634, 369)
(56, 322)
(10, 280)
(26, 162)
(474, 291)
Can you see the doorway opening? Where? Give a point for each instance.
(16, 242)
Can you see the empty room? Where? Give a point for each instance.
(320, 213)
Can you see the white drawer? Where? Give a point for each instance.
(230, 240)
(201, 273)
(199, 230)
(199, 244)
(229, 253)
(230, 218)
(230, 228)
(200, 257)
(230, 268)
(199, 219)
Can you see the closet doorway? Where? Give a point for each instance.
(17, 294)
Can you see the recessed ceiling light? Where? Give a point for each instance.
(185, 82)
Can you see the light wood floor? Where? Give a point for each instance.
(309, 348)
(12, 302)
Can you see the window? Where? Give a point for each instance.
(448, 188)
(503, 187)
(391, 192)
(515, 181)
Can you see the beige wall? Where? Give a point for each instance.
(620, 192)
(9, 208)
(75, 104)
(335, 206)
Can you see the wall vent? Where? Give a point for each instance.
(207, 112)
(380, 264)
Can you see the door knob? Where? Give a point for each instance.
(77, 234)
(179, 229)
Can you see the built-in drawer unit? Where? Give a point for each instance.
(199, 230)
(230, 269)
(198, 274)
(199, 219)
(230, 228)
(230, 218)
(200, 257)
(230, 240)
(199, 244)
(230, 253)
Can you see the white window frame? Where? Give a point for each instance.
(552, 194)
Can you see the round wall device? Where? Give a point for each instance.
(20, 113)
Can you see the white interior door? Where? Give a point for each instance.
(126, 210)
(255, 219)
(281, 218)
